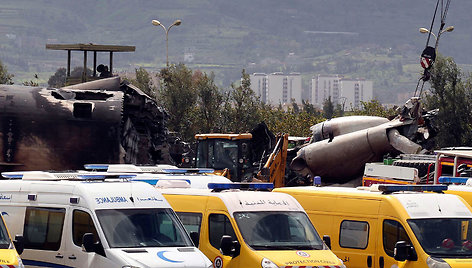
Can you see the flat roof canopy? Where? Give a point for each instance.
(86, 48)
(91, 47)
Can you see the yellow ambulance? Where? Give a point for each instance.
(238, 228)
(391, 226)
(9, 249)
(459, 186)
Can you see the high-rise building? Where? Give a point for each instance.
(259, 85)
(347, 92)
(277, 88)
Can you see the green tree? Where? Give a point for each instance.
(290, 122)
(373, 108)
(452, 97)
(178, 96)
(58, 79)
(5, 77)
(309, 108)
(338, 111)
(328, 108)
(77, 72)
(144, 82)
(210, 104)
(245, 106)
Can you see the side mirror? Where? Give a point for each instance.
(327, 241)
(404, 251)
(87, 242)
(19, 243)
(195, 238)
(229, 247)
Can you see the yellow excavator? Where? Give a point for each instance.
(244, 156)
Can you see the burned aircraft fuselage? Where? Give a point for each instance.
(340, 148)
(59, 129)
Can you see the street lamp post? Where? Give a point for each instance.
(448, 29)
(158, 23)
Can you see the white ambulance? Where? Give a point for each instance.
(68, 220)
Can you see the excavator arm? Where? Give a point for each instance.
(274, 168)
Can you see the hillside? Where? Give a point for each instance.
(373, 39)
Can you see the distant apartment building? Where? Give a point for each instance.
(277, 88)
(259, 85)
(347, 92)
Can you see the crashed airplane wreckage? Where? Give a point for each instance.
(340, 147)
(103, 121)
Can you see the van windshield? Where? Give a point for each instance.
(135, 228)
(278, 230)
(445, 237)
(5, 241)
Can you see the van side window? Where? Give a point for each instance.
(393, 232)
(218, 226)
(354, 234)
(43, 228)
(191, 221)
(81, 224)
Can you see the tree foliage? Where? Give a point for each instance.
(328, 108)
(210, 103)
(178, 96)
(244, 109)
(5, 77)
(373, 108)
(452, 96)
(144, 82)
(58, 79)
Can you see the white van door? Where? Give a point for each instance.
(79, 222)
(43, 237)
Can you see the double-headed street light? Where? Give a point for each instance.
(448, 29)
(158, 23)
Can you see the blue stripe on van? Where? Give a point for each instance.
(44, 264)
(154, 181)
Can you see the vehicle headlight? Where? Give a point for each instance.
(20, 263)
(436, 263)
(266, 263)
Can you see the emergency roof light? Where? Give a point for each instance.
(163, 168)
(390, 188)
(173, 184)
(41, 176)
(448, 180)
(155, 182)
(188, 170)
(101, 167)
(218, 187)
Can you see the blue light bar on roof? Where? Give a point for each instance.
(390, 188)
(91, 177)
(96, 167)
(461, 180)
(126, 176)
(188, 170)
(12, 175)
(241, 185)
(154, 181)
(105, 176)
